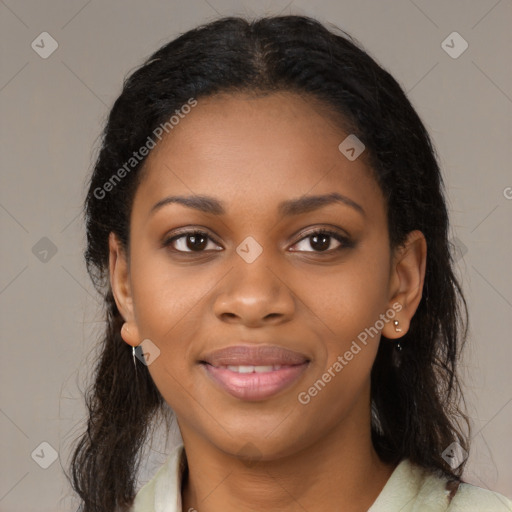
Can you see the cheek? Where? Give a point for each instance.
(167, 298)
(169, 311)
(349, 302)
(348, 298)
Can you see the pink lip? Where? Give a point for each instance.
(254, 386)
(253, 355)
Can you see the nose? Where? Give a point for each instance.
(254, 294)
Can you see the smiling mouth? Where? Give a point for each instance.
(254, 373)
(254, 383)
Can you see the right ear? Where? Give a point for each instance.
(121, 289)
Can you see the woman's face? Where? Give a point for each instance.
(296, 306)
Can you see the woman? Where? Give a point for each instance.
(267, 224)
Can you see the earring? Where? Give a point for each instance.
(397, 356)
(125, 328)
(134, 362)
(398, 346)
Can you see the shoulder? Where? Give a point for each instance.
(453, 496)
(162, 492)
(471, 498)
(145, 498)
(412, 488)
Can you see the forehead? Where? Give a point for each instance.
(255, 151)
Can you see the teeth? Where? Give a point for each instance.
(261, 369)
(251, 369)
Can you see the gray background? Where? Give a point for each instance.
(52, 111)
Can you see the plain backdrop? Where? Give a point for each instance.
(52, 111)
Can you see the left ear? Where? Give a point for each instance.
(406, 282)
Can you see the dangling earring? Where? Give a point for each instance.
(125, 328)
(397, 356)
(398, 346)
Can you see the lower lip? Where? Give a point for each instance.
(255, 386)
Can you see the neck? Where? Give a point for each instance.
(341, 471)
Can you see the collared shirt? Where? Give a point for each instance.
(410, 488)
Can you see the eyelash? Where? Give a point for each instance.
(345, 242)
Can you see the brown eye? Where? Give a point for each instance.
(321, 241)
(191, 241)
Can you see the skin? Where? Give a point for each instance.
(251, 153)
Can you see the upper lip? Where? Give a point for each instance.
(253, 355)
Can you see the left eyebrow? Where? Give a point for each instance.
(307, 204)
(286, 208)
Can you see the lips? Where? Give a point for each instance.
(254, 372)
(256, 355)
